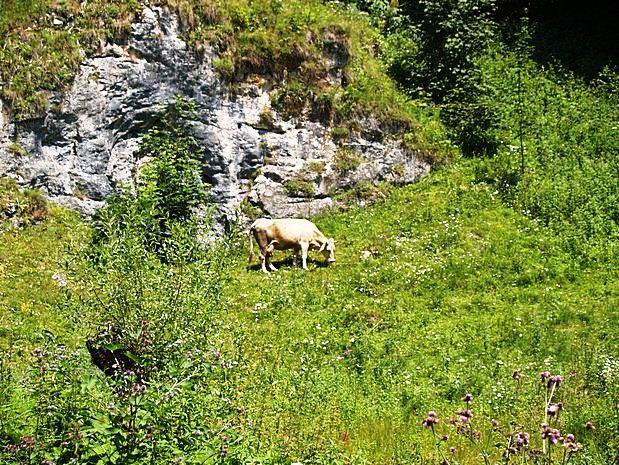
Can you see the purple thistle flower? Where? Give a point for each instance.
(554, 380)
(552, 434)
(517, 375)
(554, 409)
(570, 438)
(589, 426)
(545, 375)
(573, 446)
(522, 439)
(27, 441)
(430, 420)
(11, 448)
(427, 423)
(468, 397)
(445, 437)
(453, 450)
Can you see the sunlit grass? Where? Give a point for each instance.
(32, 264)
(457, 293)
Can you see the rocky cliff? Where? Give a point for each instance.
(84, 147)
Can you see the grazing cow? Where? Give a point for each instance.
(288, 233)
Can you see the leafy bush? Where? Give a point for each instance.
(148, 292)
(168, 191)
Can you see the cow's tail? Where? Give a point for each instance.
(251, 244)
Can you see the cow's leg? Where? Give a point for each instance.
(261, 239)
(264, 261)
(269, 254)
(304, 250)
(295, 257)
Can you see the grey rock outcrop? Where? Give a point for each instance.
(84, 148)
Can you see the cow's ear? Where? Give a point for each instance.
(322, 247)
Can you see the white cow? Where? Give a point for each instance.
(288, 233)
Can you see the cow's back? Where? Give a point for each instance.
(294, 230)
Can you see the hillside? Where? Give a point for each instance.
(465, 310)
(437, 291)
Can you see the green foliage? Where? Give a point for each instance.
(557, 161)
(20, 207)
(299, 188)
(16, 149)
(149, 289)
(250, 211)
(431, 49)
(173, 183)
(346, 160)
(453, 34)
(169, 189)
(316, 167)
(438, 290)
(339, 133)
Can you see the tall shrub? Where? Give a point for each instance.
(169, 186)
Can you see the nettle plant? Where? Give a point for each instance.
(512, 443)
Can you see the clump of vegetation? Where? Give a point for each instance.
(363, 193)
(340, 133)
(171, 187)
(316, 167)
(144, 289)
(299, 188)
(17, 149)
(250, 211)
(20, 207)
(346, 160)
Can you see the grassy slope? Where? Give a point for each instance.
(459, 292)
(29, 296)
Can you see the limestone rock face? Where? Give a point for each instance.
(84, 148)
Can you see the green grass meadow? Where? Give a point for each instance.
(439, 290)
(463, 311)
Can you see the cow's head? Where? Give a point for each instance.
(328, 250)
